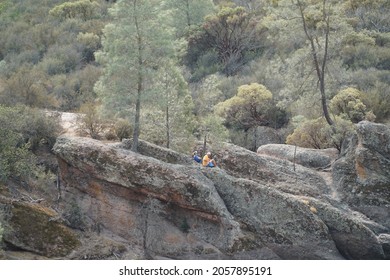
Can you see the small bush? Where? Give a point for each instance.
(348, 103)
(123, 129)
(73, 216)
(110, 134)
(318, 134)
(22, 129)
(184, 226)
(90, 121)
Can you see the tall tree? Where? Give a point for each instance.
(234, 33)
(227, 40)
(176, 106)
(311, 26)
(133, 46)
(190, 12)
(307, 27)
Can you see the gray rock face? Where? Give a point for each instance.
(384, 240)
(157, 152)
(262, 135)
(251, 207)
(362, 175)
(311, 158)
(33, 227)
(351, 236)
(271, 171)
(280, 221)
(125, 193)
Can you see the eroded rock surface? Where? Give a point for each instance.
(159, 204)
(252, 206)
(35, 228)
(311, 158)
(362, 174)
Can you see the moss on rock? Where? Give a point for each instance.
(32, 227)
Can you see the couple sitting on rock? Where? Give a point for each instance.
(207, 161)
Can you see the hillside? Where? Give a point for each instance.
(292, 96)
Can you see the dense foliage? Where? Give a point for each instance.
(195, 59)
(22, 130)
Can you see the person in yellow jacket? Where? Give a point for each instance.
(208, 161)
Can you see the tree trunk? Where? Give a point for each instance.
(204, 144)
(188, 13)
(167, 126)
(320, 69)
(136, 132)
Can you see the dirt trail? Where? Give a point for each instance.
(68, 122)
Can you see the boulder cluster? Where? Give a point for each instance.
(278, 203)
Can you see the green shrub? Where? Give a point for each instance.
(123, 129)
(252, 106)
(74, 216)
(16, 160)
(90, 121)
(318, 134)
(22, 129)
(378, 101)
(348, 104)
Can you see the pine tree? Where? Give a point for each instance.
(133, 48)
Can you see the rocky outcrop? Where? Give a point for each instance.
(274, 172)
(348, 230)
(36, 229)
(129, 194)
(362, 174)
(384, 240)
(280, 221)
(157, 152)
(252, 206)
(312, 158)
(259, 136)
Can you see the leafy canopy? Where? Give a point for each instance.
(348, 103)
(21, 131)
(252, 106)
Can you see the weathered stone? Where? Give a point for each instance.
(98, 184)
(261, 135)
(114, 176)
(276, 173)
(362, 174)
(253, 206)
(32, 227)
(97, 247)
(384, 240)
(154, 151)
(280, 221)
(353, 239)
(312, 158)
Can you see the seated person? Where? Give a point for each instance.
(196, 157)
(208, 160)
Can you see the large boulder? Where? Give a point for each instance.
(312, 158)
(353, 238)
(154, 151)
(362, 174)
(274, 172)
(35, 228)
(282, 222)
(261, 135)
(153, 200)
(170, 210)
